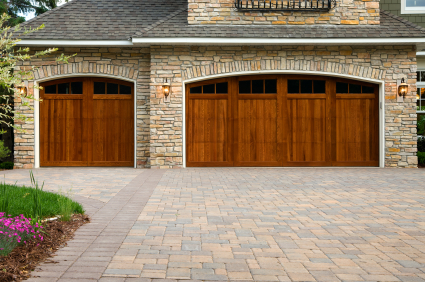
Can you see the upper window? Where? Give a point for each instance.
(413, 6)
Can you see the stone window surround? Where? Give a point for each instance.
(380, 82)
(408, 11)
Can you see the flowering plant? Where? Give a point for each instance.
(15, 231)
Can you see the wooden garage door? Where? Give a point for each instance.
(282, 120)
(87, 122)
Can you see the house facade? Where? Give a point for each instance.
(213, 83)
(413, 11)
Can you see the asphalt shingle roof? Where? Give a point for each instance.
(122, 19)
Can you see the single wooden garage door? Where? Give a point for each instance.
(282, 120)
(87, 122)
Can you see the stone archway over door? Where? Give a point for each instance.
(282, 120)
(87, 122)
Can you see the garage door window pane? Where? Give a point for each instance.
(209, 89)
(76, 88)
(51, 89)
(99, 88)
(63, 88)
(196, 90)
(245, 86)
(112, 88)
(124, 89)
(342, 87)
(367, 89)
(293, 86)
(306, 86)
(257, 86)
(221, 88)
(271, 86)
(355, 89)
(319, 86)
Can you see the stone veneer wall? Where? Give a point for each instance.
(346, 12)
(133, 63)
(178, 63)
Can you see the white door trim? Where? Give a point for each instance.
(381, 84)
(37, 109)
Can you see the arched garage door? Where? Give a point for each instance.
(87, 122)
(282, 120)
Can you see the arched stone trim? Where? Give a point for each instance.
(283, 64)
(86, 68)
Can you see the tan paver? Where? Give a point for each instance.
(259, 224)
(266, 224)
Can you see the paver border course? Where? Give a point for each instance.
(86, 257)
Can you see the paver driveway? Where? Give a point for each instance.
(229, 224)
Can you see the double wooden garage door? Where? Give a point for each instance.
(282, 120)
(87, 122)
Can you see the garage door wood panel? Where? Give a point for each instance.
(307, 130)
(356, 124)
(85, 129)
(257, 141)
(208, 125)
(64, 140)
(282, 120)
(209, 130)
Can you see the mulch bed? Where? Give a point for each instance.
(17, 266)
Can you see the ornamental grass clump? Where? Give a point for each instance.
(15, 231)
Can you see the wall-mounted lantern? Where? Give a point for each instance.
(166, 88)
(22, 90)
(403, 88)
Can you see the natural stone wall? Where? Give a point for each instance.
(133, 63)
(179, 63)
(346, 12)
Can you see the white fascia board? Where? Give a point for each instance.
(76, 43)
(262, 41)
(420, 53)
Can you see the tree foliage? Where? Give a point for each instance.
(11, 77)
(15, 8)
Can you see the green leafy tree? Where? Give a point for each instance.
(15, 8)
(12, 77)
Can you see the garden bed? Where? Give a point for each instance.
(33, 225)
(18, 265)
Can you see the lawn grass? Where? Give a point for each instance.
(21, 200)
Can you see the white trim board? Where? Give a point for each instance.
(37, 110)
(83, 43)
(220, 41)
(263, 41)
(381, 84)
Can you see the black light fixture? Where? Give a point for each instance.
(402, 88)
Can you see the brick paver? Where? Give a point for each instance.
(254, 224)
(100, 184)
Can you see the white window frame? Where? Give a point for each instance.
(421, 85)
(405, 10)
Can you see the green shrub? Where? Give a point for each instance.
(421, 144)
(421, 125)
(421, 158)
(6, 165)
(4, 151)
